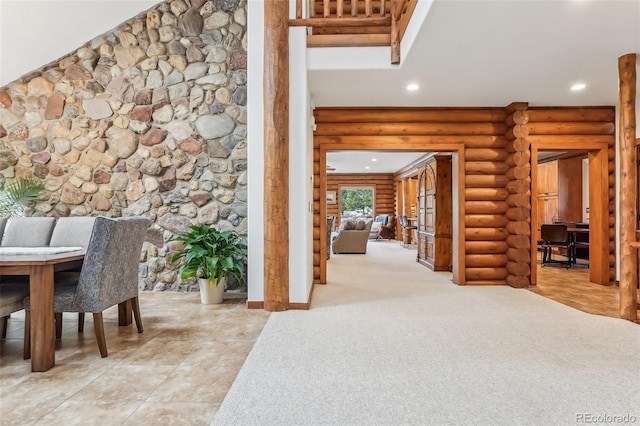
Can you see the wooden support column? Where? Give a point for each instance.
(628, 194)
(519, 198)
(276, 155)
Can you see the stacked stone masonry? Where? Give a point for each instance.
(148, 119)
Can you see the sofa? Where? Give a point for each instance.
(352, 237)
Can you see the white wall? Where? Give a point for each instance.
(28, 29)
(255, 150)
(300, 171)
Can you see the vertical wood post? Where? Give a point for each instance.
(395, 33)
(276, 155)
(628, 202)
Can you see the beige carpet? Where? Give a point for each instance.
(390, 342)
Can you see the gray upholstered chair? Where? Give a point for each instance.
(109, 275)
(28, 231)
(12, 297)
(20, 232)
(72, 232)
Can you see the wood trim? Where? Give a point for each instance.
(306, 305)
(255, 304)
(338, 40)
(340, 22)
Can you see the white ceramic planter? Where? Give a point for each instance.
(211, 295)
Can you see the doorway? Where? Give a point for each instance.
(598, 205)
(456, 151)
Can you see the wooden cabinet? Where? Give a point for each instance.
(548, 178)
(435, 213)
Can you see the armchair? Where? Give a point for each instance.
(388, 231)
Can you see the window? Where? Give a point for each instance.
(356, 202)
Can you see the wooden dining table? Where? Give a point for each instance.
(40, 264)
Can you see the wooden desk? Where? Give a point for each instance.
(40, 268)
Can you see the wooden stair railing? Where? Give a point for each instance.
(356, 23)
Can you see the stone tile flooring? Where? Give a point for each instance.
(177, 372)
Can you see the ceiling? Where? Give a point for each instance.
(492, 53)
(369, 161)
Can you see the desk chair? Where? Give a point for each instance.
(406, 228)
(556, 236)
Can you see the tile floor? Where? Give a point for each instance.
(177, 372)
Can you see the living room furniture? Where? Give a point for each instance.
(352, 238)
(435, 206)
(388, 231)
(109, 275)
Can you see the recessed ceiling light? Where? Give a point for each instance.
(367, 167)
(374, 159)
(412, 87)
(578, 86)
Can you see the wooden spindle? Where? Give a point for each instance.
(327, 9)
(298, 9)
(312, 8)
(368, 8)
(339, 8)
(354, 8)
(383, 6)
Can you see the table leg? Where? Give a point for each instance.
(43, 345)
(124, 313)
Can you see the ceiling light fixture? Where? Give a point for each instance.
(412, 87)
(367, 167)
(578, 86)
(374, 159)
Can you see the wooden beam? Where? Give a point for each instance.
(628, 188)
(276, 155)
(395, 33)
(340, 22)
(353, 40)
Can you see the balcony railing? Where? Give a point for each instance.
(355, 23)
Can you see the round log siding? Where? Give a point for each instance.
(496, 170)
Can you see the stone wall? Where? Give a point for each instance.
(148, 119)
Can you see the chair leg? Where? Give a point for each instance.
(98, 326)
(135, 306)
(81, 322)
(26, 350)
(58, 318)
(5, 324)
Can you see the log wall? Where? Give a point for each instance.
(481, 131)
(496, 171)
(383, 185)
(518, 199)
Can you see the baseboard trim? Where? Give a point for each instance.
(298, 306)
(255, 304)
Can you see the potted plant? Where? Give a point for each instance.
(16, 195)
(210, 255)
